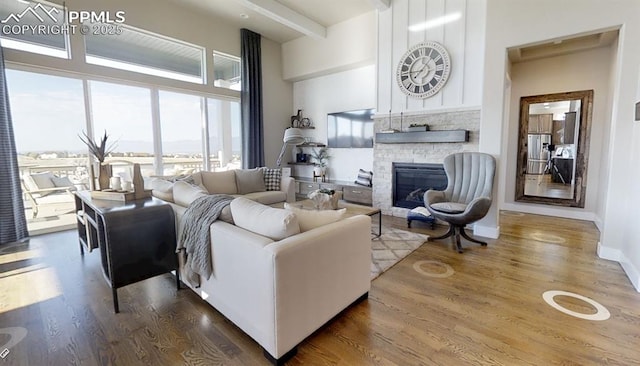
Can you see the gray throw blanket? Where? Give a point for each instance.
(194, 242)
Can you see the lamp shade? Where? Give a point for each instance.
(293, 136)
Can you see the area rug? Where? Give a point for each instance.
(391, 247)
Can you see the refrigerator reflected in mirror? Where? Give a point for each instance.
(538, 153)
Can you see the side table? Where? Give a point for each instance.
(137, 239)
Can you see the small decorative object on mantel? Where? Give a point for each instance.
(100, 152)
(389, 130)
(416, 127)
(638, 111)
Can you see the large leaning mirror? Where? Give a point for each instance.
(553, 148)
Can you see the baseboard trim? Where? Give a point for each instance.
(632, 272)
(616, 255)
(492, 232)
(608, 253)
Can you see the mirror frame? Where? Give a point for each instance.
(582, 153)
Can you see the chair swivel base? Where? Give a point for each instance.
(457, 230)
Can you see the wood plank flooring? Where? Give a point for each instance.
(489, 312)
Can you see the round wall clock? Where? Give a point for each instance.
(423, 69)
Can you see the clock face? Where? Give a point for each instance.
(423, 69)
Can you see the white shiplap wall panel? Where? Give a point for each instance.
(454, 41)
(475, 23)
(385, 81)
(435, 9)
(399, 47)
(417, 9)
(464, 39)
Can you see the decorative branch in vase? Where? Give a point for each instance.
(100, 151)
(321, 157)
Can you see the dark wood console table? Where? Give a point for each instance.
(137, 239)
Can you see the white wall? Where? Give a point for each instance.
(348, 45)
(519, 22)
(555, 75)
(463, 39)
(277, 100)
(343, 91)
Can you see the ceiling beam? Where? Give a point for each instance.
(381, 4)
(287, 17)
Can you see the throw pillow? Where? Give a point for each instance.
(311, 219)
(274, 223)
(364, 178)
(62, 182)
(38, 181)
(219, 182)
(272, 179)
(249, 180)
(162, 189)
(42, 180)
(185, 178)
(185, 193)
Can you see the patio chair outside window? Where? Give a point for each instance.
(45, 188)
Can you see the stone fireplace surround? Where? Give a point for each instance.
(386, 154)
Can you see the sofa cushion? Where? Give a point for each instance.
(62, 182)
(185, 193)
(38, 181)
(449, 207)
(272, 179)
(249, 180)
(162, 189)
(268, 197)
(311, 219)
(219, 182)
(273, 223)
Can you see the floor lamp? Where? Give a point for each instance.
(292, 136)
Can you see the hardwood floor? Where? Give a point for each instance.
(489, 312)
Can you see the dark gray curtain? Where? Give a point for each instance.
(13, 224)
(251, 101)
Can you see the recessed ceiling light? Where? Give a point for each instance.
(244, 16)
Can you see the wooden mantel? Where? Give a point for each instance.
(422, 136)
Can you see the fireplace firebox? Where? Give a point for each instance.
(412, 180)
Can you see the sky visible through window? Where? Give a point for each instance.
(48, 116)
(125, 113)
(47, 112)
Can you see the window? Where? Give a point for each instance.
(48, 114)
(225, 141)
(147, 53)
(124, 112)
(181, 128)
(226, 71)
(37, 27)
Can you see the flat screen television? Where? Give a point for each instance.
(352, 129)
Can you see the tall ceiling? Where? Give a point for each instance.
(285, 20)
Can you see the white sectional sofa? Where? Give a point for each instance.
(273, 281)
(237, 183)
